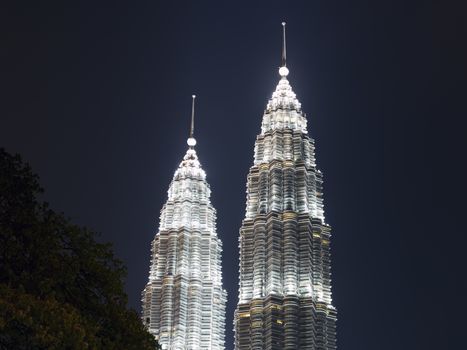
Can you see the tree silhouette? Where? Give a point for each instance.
(59, 288)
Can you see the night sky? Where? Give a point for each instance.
(97, 98)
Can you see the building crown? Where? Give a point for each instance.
(283, 110)
(190, 167)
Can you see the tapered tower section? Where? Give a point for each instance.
(285, 273)
(184, 302)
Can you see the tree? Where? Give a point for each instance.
(59, 288)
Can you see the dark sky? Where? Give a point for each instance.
(96, 96)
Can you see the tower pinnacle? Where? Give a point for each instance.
(191, 140)
(283, 70)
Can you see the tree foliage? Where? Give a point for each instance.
(59, 288)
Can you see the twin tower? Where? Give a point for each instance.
(284, 297)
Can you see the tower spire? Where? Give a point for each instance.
(283, 71)
(191, 140)
(284, 47)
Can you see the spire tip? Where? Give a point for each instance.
(283, 71)
(191, 140)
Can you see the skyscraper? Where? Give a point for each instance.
(285, 273)
(184, 302)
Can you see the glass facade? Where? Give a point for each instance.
(184, 302)
(285, 274)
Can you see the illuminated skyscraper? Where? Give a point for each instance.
(184, 302)
(285, 273)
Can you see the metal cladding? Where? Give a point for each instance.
(184, 302)
(285, 273)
